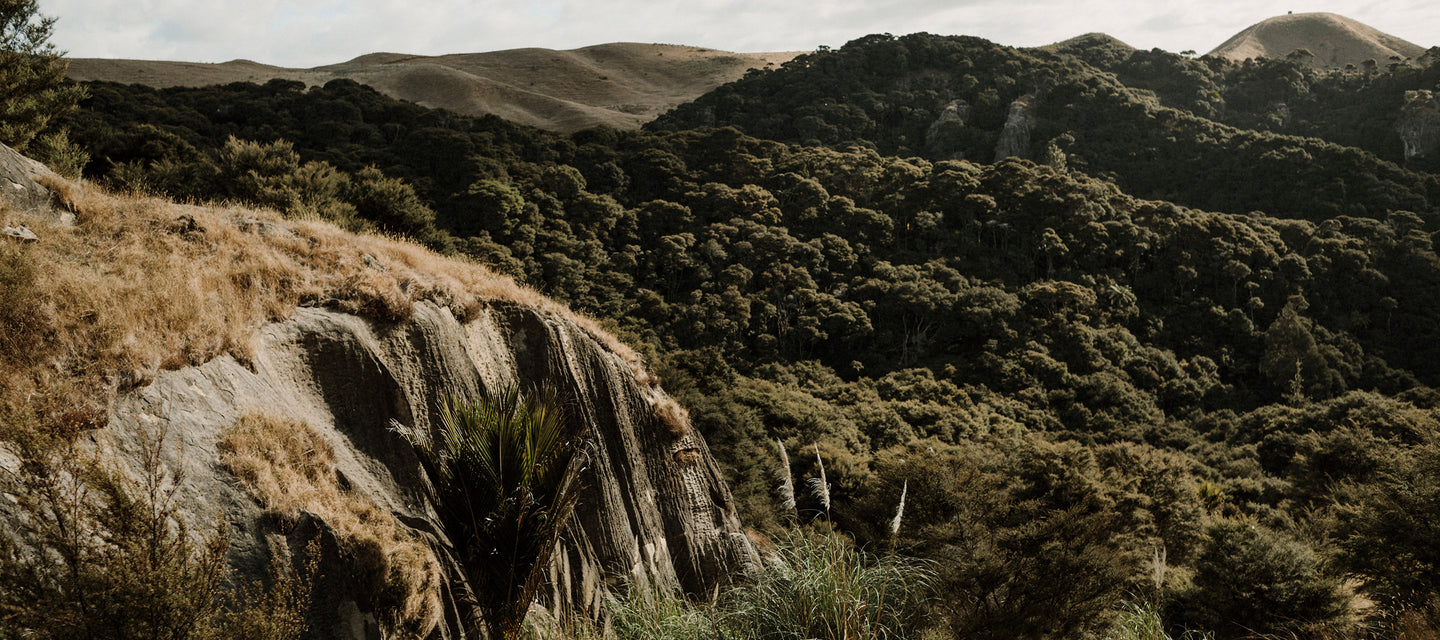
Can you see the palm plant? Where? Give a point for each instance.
(506, 475)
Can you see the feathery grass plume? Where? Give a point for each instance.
(786, 486)
(1158, 567)
(820, 487)
(900, 510)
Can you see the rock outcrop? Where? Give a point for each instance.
(20, 180)
(952, 119)
(1419, 124)
(654, 512)
(1019, 123)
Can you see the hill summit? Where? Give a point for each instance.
(1334, 40)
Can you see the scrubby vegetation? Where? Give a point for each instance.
(812, 586)
(1183, 356)
(290, 469)
(99, 554)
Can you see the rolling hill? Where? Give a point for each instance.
(621, 84)
(1334, 40)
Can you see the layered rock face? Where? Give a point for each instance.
(1019, 123)
(654, 512)
(1419, 124)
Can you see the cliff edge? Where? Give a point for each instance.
(228, 316)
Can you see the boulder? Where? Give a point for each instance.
(655, 512)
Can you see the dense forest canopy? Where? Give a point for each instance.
(1173, 321)
(1268, 135)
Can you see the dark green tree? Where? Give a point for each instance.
(33, 87)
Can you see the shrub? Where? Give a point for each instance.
(1252, 580)
(96, 553)
(1391, 540)
(506, 473)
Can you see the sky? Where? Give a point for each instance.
(308, 33)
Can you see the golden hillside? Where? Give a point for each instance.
(122, 287)
(622, 85)
(1335, 40)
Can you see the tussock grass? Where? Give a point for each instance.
(675, 418)
(1419, 622)
(642, 615)
(812, 587)
(1142, 622)
(820, 587)
(290, 468)
(140, 284)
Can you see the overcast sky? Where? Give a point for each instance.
(306, 33)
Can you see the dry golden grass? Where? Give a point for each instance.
(1420, 623)
(139, 284)
(1334, 41)
(622, 85)
(675, 417)
(290, 468)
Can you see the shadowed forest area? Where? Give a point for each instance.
(1166, 326)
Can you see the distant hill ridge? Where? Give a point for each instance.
(1334, 40)
(620, 84)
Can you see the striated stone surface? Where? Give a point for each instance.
(654, 511)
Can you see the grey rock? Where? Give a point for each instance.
(20, 187)
(1019, 124)
(21, 233)
(649, 515)
(1419, 124)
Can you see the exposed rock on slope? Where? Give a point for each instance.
(1334, 41)
(1019, 123)
(1419, 124)
(20, 179)
(654, 511)
(622, 85)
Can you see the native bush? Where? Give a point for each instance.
(506, 470)
(97, 553)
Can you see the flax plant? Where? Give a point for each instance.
(506, 473)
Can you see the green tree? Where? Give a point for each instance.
(1390, 541)
(506, 472)
(33, 87)
(1252, 580)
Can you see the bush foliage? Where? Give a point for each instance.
(1190, 307)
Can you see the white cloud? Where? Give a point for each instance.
(303, 33)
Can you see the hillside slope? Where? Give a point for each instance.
(242, 321)
(621, 84)
(1334, 40)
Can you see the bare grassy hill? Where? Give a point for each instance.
(620, 84)
(1334, 40)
